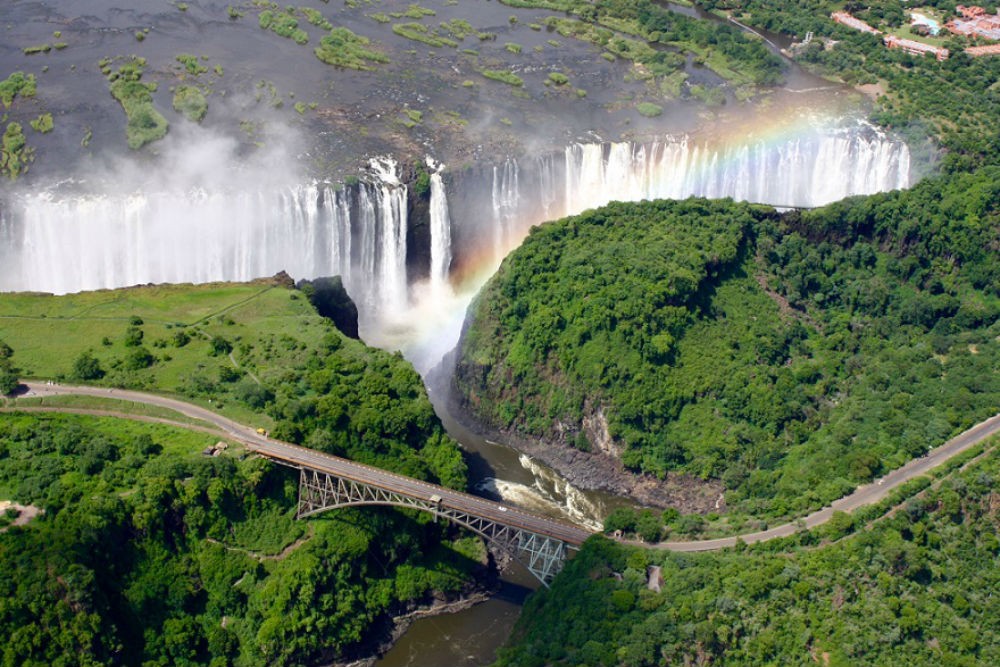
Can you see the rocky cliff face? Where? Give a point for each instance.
(331, 301)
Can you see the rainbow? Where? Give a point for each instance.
(804, 159)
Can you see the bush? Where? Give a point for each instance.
(138, 359)
(220, 346)
(649, 110)
(190, 101)
(87, 367)
(509, 78)
(43, 123)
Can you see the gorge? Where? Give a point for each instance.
(410, 148)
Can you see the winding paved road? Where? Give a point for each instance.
(866, 494)
(301, 457)
(296, 456)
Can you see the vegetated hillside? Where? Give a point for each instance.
(916, 589)
(151, 553)
(791, 357)
(257, 352)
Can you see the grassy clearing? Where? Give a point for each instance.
(105, 404)
(268, 329)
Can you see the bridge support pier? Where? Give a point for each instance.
(542, 555)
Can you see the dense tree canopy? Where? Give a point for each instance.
(790, 356)
(150, 552)
(917, 589)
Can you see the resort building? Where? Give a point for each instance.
(975, 22)
(857, 24)
(977, 51)
(915, 48)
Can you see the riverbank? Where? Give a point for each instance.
(597, 470)
(390, 629)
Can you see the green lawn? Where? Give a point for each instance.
(269, 328)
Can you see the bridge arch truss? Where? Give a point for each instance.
(543, 556)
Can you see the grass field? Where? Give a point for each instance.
(266, 328)
(103, 404)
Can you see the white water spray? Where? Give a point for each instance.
(548, 493)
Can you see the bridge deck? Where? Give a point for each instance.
(301, 457)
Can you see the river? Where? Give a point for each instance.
(470, 638)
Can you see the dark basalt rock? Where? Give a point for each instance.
(332, 301)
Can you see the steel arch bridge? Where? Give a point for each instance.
(542, 555)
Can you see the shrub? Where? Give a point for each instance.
(648, 109)
(86, 367)
(220, 346)
(503, 76)
(190, 101)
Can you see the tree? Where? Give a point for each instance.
(8, 380)
(220, 346)
(87, 367)
(8, 374)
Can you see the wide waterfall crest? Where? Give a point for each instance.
(61, 240)
(410, 284)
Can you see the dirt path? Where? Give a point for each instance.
(281, 555)
(864, 495)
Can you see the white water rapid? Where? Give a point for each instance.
(548, 492)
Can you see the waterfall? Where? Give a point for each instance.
(506, 203)
(440, 230)
(62, 240)
(390, 288)
(70, 242)
(804, 171)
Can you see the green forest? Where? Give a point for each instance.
(918, 588)
(744, 61)
(256, 352)
(151, 552)
(827, 348)
(790, 356)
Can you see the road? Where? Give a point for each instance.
(866, 494)
(301, 457)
